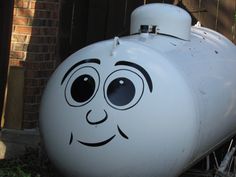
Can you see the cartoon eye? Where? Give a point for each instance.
(82, 86)
(123, 89)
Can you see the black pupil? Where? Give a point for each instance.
(83, 88)
(121, 91)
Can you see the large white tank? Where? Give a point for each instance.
(149, 104)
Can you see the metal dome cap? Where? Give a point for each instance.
(167, 19)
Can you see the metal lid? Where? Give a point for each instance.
(168, 19)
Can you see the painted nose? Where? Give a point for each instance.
(94, 120)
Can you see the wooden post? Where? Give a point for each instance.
(6, 14)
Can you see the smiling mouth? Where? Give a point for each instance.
(98, 143)
(101, 143)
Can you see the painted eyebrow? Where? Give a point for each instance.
(92, 60)
(141, 69)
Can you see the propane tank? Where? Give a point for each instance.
(149, 104)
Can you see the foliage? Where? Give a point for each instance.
(32, 164)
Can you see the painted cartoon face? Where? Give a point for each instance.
(106, 114)
(122, 90)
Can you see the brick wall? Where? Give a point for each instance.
(33, 47)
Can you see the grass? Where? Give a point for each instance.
(31, 164)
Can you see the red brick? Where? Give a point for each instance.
(42, 40)
(27, 30)
(32, 66)
(17, 55)
(45, 74)
(32, 5)
(30, 81)
(19, 38)
(42, 14)
(30, 99)
(14, 12)
(35, 28)
(48, 65)
(30, 124)
(21, 4)
(33, 76)
(44, 5)
(53, 23)
(49, 31)
(20, 20)
(23, 29)
(25, 4)
(37, 22)
(42, 22)
(31, 107)
(18, 3)
(29, 117)
(20, 47)
(33, 91)
(53, 1)
(16, 62)
(55, 15)
(35, 56)
(32, 56)
(52, 48)
(25, 12)
(38, 48)
(39, 65)
(35, 31)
